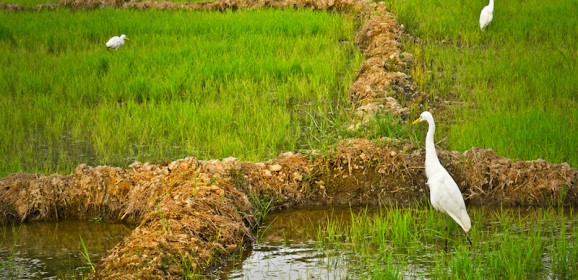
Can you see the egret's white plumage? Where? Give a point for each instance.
(116, 42)
(486, 15)
(445, 195)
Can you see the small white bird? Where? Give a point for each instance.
(116, 42)
(445, 195)
(486, 15)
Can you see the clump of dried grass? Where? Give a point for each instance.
(492, 179)
(198, 220)
(381, 84)
(199, 212)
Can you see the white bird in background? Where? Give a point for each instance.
(486, 15)
(116, 42)
(445, 195)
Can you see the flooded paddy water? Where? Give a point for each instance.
(326, 243)
(196, 216)
(321, 244)
(53, 250)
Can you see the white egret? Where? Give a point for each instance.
(116, 42)
(486, 15)
(445, 195)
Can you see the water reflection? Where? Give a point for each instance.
(287, 250)
(289, 246)
(299, 261)
(53, 250)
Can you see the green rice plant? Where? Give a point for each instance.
(515, 256)
(564, 253)
(384, 268)
(402, 226)
(28, 3)
(262, 206)
(515, 82)
(332, 231)
(379, 230)
(507, 243)
(204, 84)
(385, 125)
(457, 264)
(8, 264)
(165, 223)
(188, 267)
(86, 255)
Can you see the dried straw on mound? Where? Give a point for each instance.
(381, 81)
(198, 219)
(508, 182)
(199, 212)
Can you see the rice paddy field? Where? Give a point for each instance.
(252, 84)
(204, 84)
(418, 243)
(512, 88)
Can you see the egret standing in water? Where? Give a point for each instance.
(116, 42)
(445, 195)
(486, 15)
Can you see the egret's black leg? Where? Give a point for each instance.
(469, 240)
(447, 232)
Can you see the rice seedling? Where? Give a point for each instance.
(29, 3)
(515, 82)
(8, 266)
(86, 256)
(262, 206)
(564, 254)
(403, 242)
(206, 84)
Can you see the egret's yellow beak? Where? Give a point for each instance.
(126, 38)
(418, 120)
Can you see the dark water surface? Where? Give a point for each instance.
(52, 250)
(288, 247)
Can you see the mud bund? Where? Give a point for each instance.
(201, 212)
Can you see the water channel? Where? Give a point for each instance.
(53, 250)
(288, 246)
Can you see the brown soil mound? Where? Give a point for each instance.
(193, 215)
(382, 84)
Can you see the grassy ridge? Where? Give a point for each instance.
(206, 84)
(516, 82)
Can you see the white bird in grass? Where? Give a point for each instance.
(486, 15)
(116, 42)
(445, 195)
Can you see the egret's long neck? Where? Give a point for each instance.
(491, 4)
(431, 157)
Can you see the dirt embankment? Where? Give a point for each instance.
(196, 214)
(193, 215)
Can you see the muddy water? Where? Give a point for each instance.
(287, 246)
(53, 250)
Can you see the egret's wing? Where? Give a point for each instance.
(485, 17)
(112, 41)
(450, 199)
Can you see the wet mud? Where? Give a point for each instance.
(193, 215)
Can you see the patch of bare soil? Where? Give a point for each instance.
(194, 215)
